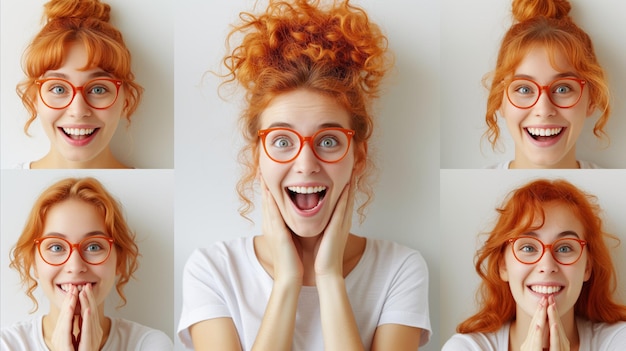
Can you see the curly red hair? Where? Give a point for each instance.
(497, 306)
(545, 23)
(335, 51)
(77, 21)
(92, 192)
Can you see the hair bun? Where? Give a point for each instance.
(57, 9)
(524, 10)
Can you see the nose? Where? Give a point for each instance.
(79, 108)
(75, 263)
(547, 263)
(544, 106)
(306, 162)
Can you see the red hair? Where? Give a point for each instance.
(85, 22)
(92, 192)
(335, 51)
(545, 23)
(497, 306)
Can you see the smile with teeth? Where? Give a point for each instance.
(544, 132)
(66, 287)
(76, 132)
(306, 197)
(546, 290)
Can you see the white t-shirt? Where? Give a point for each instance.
(593, 337)
(582, 164)
(389, 285)
(125, 335)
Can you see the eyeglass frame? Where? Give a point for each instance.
(118, 84)
(262, 133)
(73, 246)
(581, 82)
(583, 244)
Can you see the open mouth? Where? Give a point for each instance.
(545, 289)
(306, 198)
(544, 134)
(79, 133)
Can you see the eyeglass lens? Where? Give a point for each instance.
(530, 250)
(59, 93)
(329, 145)
(563, 93)
(93, 250)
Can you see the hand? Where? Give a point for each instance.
(91, 333)
(546, 323)
(329, 257)
(286, 261)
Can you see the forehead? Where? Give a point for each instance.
(541, 61)
(73, 219)
(304, 110)
(557, 218)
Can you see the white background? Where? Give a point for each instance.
(406, 140)
(468, 202)
(147, 199)
(148, 31)
(471, 32)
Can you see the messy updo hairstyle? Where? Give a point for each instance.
(516, 216)
(90, 191)
(83, 22)
(333, 50)
(546, 23)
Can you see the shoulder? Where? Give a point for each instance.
(23, 335)
(21, 165)
(134, 336)
(389, 252)
(501, 165)
(588, 165)
(220, 252)
(478, 341)
(602, 336)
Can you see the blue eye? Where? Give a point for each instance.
(328, 142)
(98, 90)
(562, 89)
(524, 90)
(58, 89)
(281, 142)
(93, 247)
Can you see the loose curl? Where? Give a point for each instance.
(517, 215)
(335, 51)
(545, 23)
(92, 192)
(85, 22)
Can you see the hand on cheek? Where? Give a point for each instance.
(329, 258)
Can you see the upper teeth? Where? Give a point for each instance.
(306, 189)
(66, 287)
(544, 131)
(542, 289)
(78, 131)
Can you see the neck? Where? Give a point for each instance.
(567, 162)
(54, 160)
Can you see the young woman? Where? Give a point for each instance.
(306, 283)
(77, 246)
(79, 84)
(547, 82)
(548, 280)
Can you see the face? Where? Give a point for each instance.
(545, 135)
(306, 112)
(75, 220)
(79, 133)
(530, 282)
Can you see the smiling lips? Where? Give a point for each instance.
(307, 198)
(546, 289)
(66, 287)
(78, 133)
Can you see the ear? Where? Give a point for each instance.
(504, 274)
(587, 271)
(590, 109)
(359, 164)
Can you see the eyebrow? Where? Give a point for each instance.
(560, 75)
(93, 75)
(321, 126)
(560, 235)
(93, 233)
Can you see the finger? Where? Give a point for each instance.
(534, 339)
(342, 215)
(558, 338)
(62, 336)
